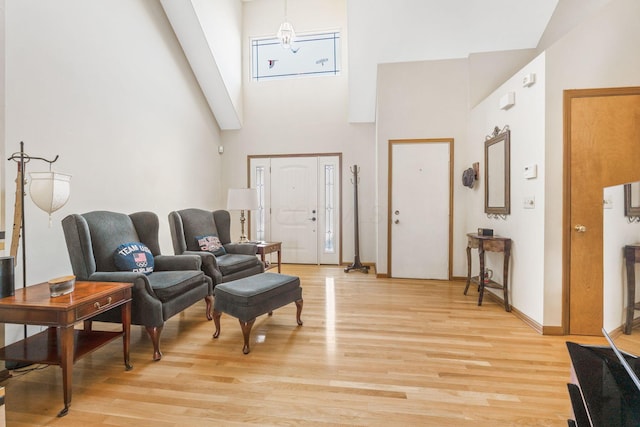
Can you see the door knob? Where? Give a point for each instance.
(397, 221)
(312, 218)
(580, 228)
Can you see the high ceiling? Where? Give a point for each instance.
(383, 31)
(388, 31)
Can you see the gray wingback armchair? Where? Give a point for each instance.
(176, 282)
(240, 258)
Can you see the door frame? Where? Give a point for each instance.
(568, 96)
(270, 156)
(393, 142)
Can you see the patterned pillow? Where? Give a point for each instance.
(211, 243)
(135, 257)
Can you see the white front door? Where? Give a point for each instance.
(301, 206)
(294, 208)
(420, 209)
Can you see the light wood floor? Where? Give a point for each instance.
(372, 351)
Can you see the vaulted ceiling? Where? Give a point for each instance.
(379, 31)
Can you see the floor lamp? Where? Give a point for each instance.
(48, 190)
(242, 199)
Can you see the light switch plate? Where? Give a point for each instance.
(530, 171)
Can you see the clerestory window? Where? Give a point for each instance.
(309, 55)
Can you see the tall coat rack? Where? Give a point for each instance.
(357, 265)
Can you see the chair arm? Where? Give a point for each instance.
(209, 265)
(177, 262)
(241, 248)
(146, 307)
(138, 279)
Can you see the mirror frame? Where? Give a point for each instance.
(629, 209)
(496, 138)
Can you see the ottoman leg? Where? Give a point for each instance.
(246, 331)
(299, 311)
(216, 321)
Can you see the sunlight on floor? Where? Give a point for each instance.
(330, 310)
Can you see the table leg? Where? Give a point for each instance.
(263, 258)
(505, 275)
(466, 288)
(631, 289)
(66, 363)
(126, 333)
(279, 260)
(481, 274)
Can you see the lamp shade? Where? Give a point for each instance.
(242, 199)
(49, 190)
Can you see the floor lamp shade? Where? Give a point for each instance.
(7, 283)
(49, 190)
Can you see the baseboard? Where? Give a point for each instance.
(542, 330)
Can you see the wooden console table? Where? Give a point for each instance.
(61, 344)
(631, 256)
(267, 248)
(491, 244)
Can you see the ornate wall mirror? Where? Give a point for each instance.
(496, 172)
(632, 200)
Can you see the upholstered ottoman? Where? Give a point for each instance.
(252, 296)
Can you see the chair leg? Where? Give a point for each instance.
(154, 334)
(209, 301)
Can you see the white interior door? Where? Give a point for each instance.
(294, 208)
(420, 200)
(293, 190)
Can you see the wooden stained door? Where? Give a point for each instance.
(602, 149)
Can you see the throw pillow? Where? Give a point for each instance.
(211, 243)
(135, 257)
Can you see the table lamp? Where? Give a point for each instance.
(242, 199)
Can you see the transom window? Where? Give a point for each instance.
(309, 55)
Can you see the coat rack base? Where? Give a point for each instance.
(357, 266)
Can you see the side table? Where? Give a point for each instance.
(631, 256)
(61, 344)
(491, 244)
(267, 248)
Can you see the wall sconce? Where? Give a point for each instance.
(242, 199)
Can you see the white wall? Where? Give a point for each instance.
(105, 85)
(524, 226)
(306, 115)
(426, 99)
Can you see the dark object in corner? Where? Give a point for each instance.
(11, 365)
